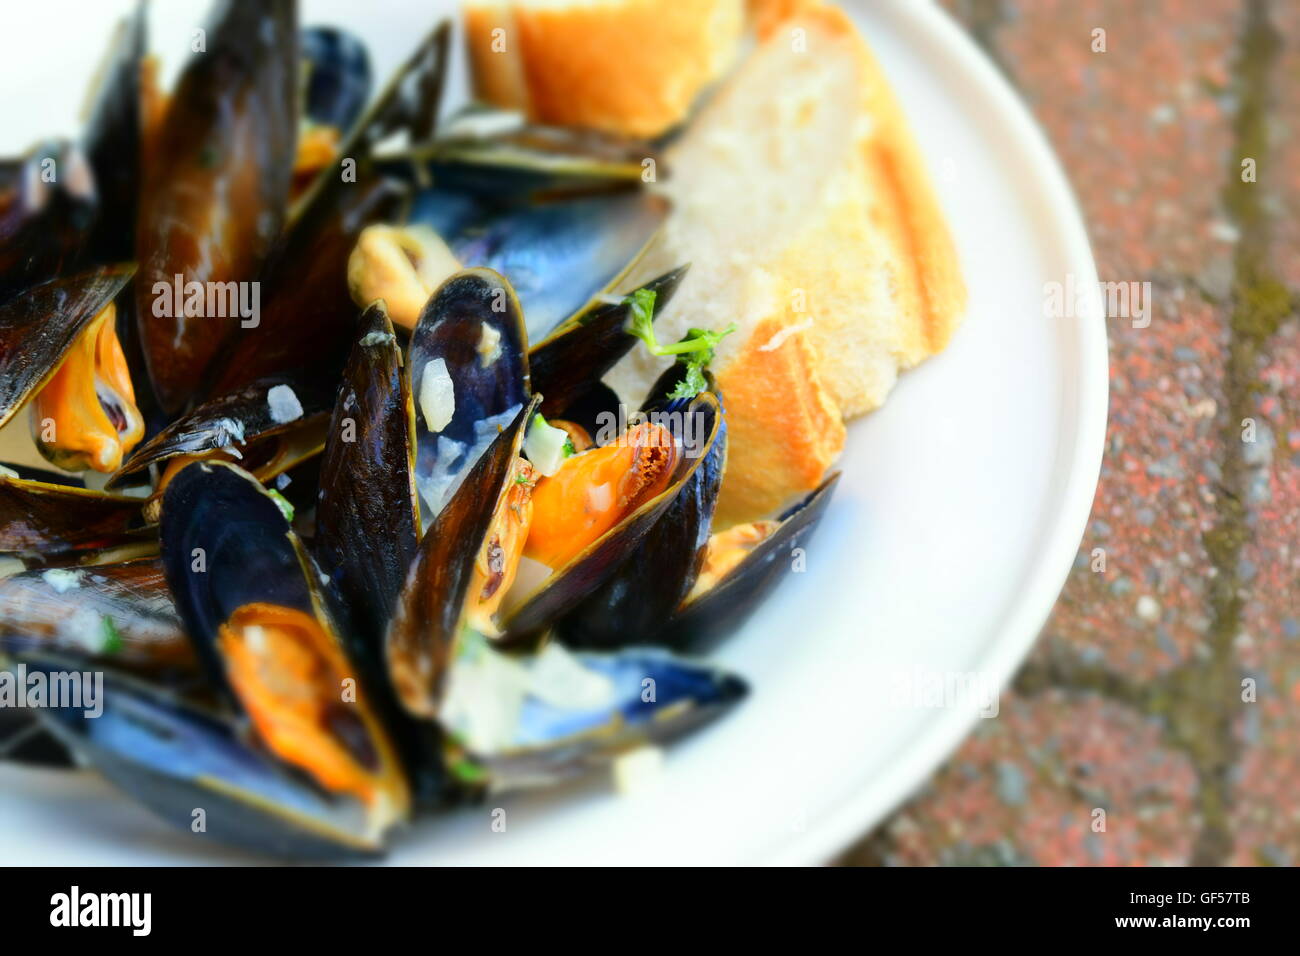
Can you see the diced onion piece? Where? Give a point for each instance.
(638, 771)
(544, 446)
(437, 397)
(489, 345)
(283, 404)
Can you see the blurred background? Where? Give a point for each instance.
(1164, 691)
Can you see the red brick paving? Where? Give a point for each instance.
(1146, 133)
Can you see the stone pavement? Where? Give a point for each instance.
(1158, 719)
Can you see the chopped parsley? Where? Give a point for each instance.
(467, 771)
(113, 642)
(694, 352)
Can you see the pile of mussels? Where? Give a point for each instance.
(336, 569)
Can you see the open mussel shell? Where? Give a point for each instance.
(515, 722)
(410, 102)
(633, 604)
(39, 325)
(246, 421)
(558, 255)
(568, 586)
(48, 203)
(338, 76)
(198, 771)
(55, 520)
(112, 140)
(431, 613)
(224, 153)
(251, 601)
(494, 154)
(226, 543)
(567, 366)
(468, 363)
(707, 618)
(367, 516)
(121, 614)
(30, 473)
(367, 524)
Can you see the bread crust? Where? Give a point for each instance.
(624, 66)
(783, 430)
(911, 208)
(892, 223)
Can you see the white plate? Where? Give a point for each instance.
(960, 512)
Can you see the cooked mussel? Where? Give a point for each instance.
(522, 719)
(494, 154)
(705, 585)
(337, 85)
(633, 604)
(576, 525)
(48, 202)
(445, 585)
(251, 601)
(277, 380)
(54, 521)
(121, 614)
(367, 520)
(215, 190)
(307, 324)
(592, 514)
(60, 355)
(558, 255)
(742, 566)
(409, 105)
(198, 770)
(113, 140)
(519, 721)
(468, 364)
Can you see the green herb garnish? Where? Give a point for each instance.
(692, 384)
(113, 642)
(467, 771)
(694, 351)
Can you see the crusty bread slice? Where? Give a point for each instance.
(783, 430)
(623, 66)
(802, 204)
